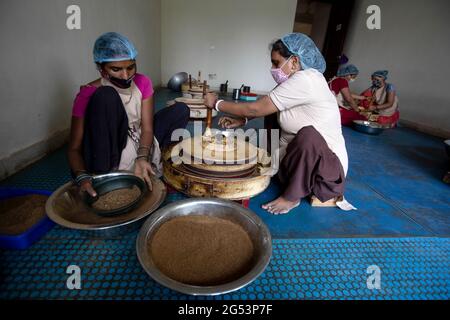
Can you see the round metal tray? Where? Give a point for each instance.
(368, 127)
(67, 208)
(256, 229)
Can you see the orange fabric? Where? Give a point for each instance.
(391, 120)
(366, 103)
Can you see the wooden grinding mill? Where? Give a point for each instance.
(195, 101)
(221, 164)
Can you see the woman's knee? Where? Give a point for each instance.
(106, 107)
(307, 139)
(105, 92)
(181, 110)
(105, 97)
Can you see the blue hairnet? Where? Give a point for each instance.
(347, 70)
(304, 48)
(112, 46)
(380, 73)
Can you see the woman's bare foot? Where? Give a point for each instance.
(280, 206)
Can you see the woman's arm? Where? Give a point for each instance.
(348, 97)
(147, 122)
(358, 97)
(143, 167)
(389, 103)
(262, 107)
(74, 154)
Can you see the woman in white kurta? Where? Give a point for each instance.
(312, 148)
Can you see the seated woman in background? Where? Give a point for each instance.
(113, 127)
(347, 102)
(382, 100)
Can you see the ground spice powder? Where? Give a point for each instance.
(202, 250)
(19, 214)
(117, 199)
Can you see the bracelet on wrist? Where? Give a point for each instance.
(217, 105)
(141, 157)
(78, 172)
(80, 178)
(144, 148)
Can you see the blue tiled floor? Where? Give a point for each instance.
(319, 253)
(413, 268)
(394, 180)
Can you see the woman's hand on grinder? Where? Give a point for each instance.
(210, 100)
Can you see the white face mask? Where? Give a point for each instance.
(352, 80)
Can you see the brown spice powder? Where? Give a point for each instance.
(202, 250)
(19, 214)
(117, 198)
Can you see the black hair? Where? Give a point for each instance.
(101, 65)
(281, 48)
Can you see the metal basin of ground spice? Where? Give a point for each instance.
(202, 250)
(117, 198)
(19, 214)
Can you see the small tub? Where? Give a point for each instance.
(33, 234)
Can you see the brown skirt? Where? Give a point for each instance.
(311, 168)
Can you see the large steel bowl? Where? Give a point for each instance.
(368, 127)
(225, 209)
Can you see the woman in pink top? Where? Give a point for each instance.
(113, 126)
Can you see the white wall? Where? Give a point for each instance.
(229, 38)
(413, 44)
(43, 63)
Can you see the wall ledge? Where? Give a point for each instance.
(19, 160)
(433, 131)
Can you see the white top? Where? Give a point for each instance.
(132, 102)
(305, 100)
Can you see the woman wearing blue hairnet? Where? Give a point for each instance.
(312, 148)
(113, 126)
(347, 101)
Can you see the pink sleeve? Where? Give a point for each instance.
(81, 101)
(145, 85)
